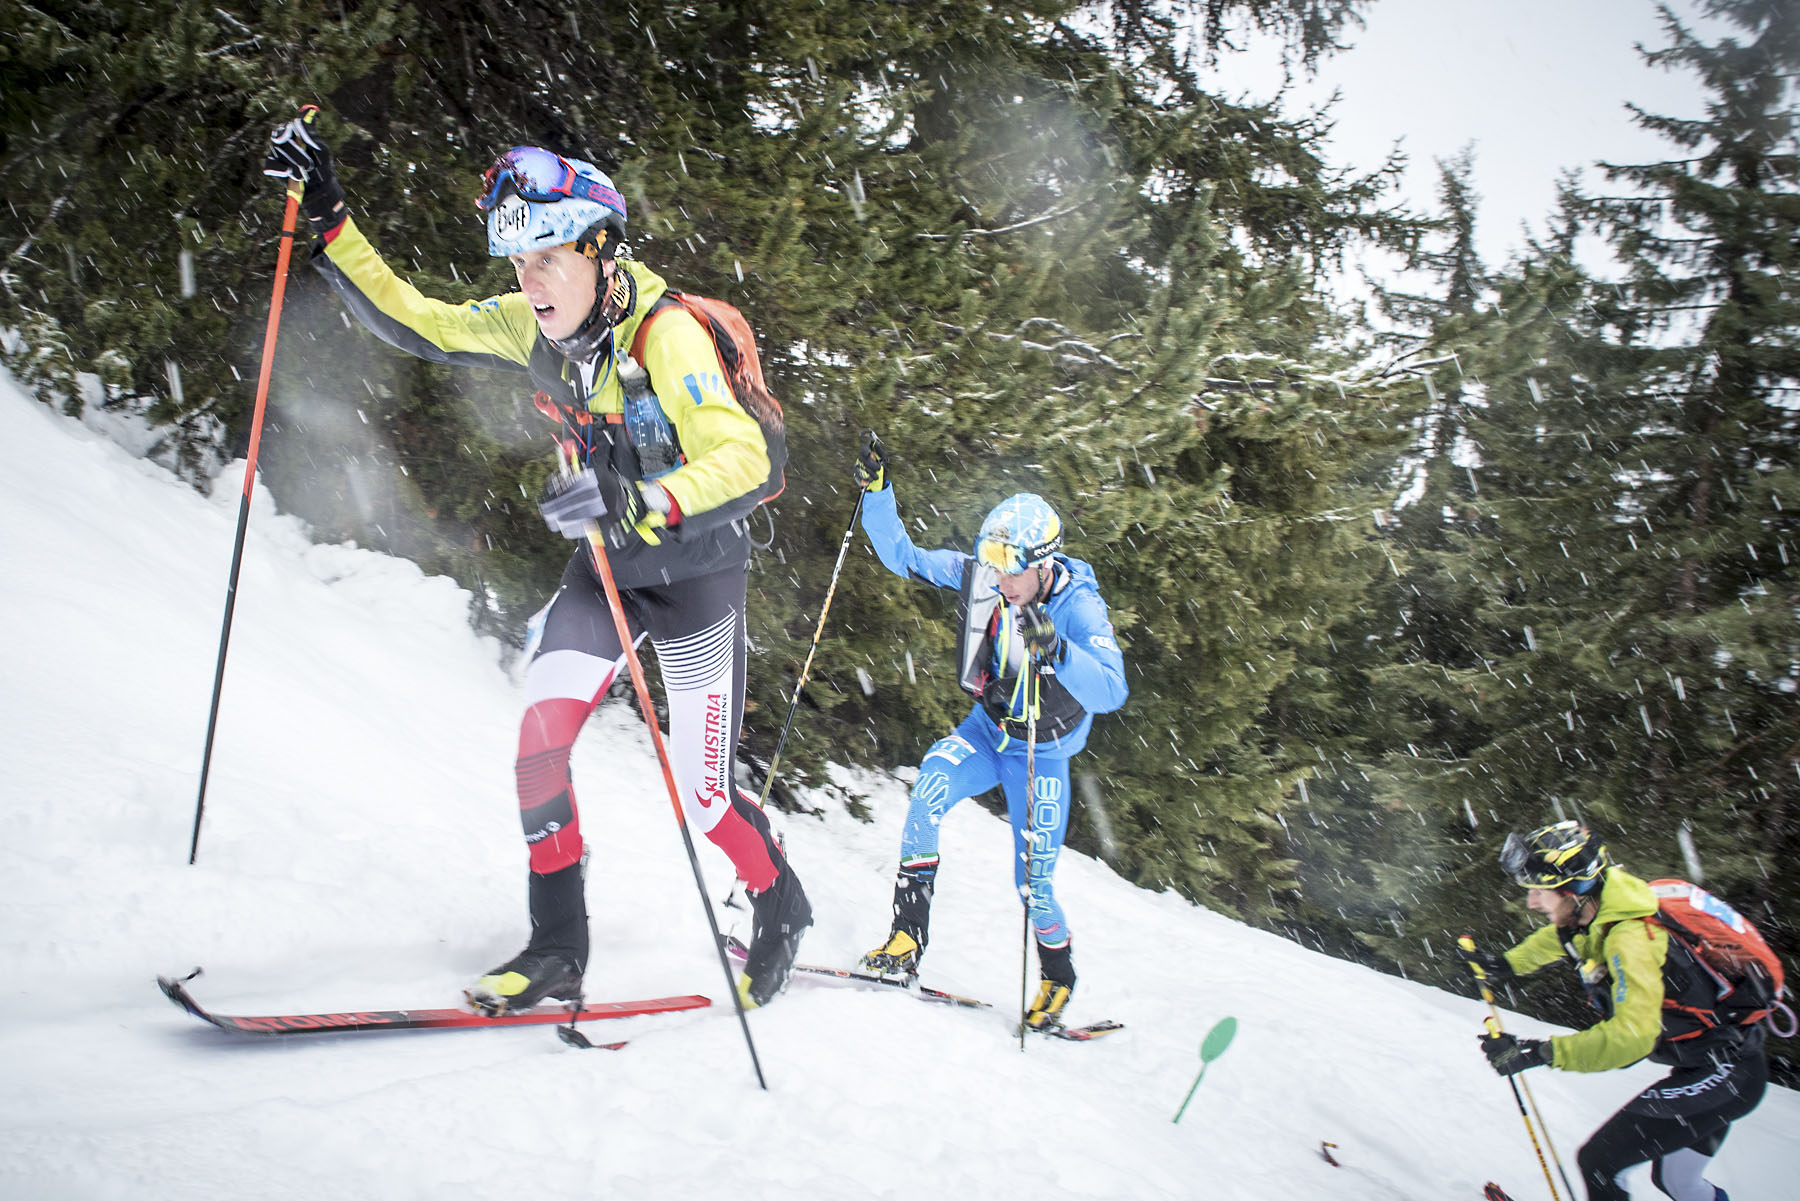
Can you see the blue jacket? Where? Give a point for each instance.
(1089, 673)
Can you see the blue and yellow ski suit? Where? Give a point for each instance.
(989, 747)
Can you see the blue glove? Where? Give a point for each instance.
(296, 153)
(1510, 1056)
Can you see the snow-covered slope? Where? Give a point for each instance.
(361, 850)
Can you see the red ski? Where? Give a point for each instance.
(418, 1019)
(1493, 1192)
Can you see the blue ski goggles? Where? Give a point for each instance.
(542, 177)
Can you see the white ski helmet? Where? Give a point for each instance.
(535, 198)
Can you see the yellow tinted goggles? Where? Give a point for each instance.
(1005, 559)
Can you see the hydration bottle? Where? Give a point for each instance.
(649, 430)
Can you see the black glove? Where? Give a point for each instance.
(573, 502)
(630, 518)
(1042, 642)
(296, 153)
(870, 472)
(576, 504)
(1494, 967)
(1510, 1056)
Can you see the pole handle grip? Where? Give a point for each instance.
(1468, 944)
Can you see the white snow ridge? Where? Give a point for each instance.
(361, 850)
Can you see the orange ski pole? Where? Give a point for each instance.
(597, 545)
(243, 521)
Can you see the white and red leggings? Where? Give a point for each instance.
(697, 628)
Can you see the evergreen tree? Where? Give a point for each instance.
(1023, 243)
(1098, 295)
(1456, 611)
(1375, 710)
(1660, 571)
(129, 138)
(1628, 540)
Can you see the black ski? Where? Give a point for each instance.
(1081, 1034)
(1493, 1192)
(912, 988)
(417, 1019)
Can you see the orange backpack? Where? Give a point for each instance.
(1747, 977)
(735, 344)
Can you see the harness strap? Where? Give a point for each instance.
(663, 304)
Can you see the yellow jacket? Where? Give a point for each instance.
(726, 459)
(1621, 952)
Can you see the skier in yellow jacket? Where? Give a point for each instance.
(670, 465)
(1656, 1001)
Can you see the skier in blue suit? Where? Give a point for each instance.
(1021, 601)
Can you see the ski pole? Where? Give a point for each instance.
(1487, 994)
(294, 190)
(806, 668)
(1030, 839)
(597, 546)
(1494, 1027)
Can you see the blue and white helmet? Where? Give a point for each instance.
(535, 198)
(1022, 531)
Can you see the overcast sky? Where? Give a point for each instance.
(1535, 86)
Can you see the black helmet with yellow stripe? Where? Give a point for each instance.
(1562, 856)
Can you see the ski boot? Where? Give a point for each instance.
(1047, 1009)
(524, 980)
(905, 945)
(552, 963)
(898, 956)
(1057, 968)
(781, 914)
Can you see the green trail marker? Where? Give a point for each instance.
(1213, 1046)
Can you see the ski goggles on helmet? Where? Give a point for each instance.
(1560, 856)
(1021, 531)
(1003, 557)
(1009, 558)
(539, 176)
